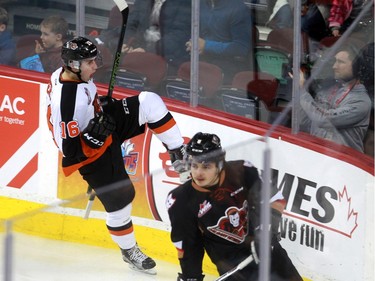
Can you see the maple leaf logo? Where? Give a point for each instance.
(349, 221)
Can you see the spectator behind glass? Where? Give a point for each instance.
(54, 32)
(314, 19)
(339, 112)
(344, 12)
(142, 31)
(143, 26)
(281, 15)
(225, 35)
(175, 29)
(7, 45)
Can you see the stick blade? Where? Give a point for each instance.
(121, 4)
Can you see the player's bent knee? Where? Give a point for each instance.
(120, 217)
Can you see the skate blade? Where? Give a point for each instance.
(151, 271)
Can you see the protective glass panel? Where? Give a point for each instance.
(315, 141)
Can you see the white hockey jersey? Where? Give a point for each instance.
(70, 106)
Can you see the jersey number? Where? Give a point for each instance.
(71, 129)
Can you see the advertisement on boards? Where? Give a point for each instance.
(325, 225)
(19, 123)
(28, 159)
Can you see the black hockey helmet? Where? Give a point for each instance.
(77, 49)
(204, 147)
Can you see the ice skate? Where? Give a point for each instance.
(138, 261)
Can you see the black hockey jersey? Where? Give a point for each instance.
(216, 219)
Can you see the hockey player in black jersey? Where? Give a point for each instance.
(217, 211)
(89, 133)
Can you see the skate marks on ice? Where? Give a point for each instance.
(39, 259)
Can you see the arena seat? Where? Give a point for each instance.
(142, 71)
(210, 79)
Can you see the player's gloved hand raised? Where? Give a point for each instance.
(98, 129)
(181, 277)
(105, 100)
(106, 103)
(177, 157)
(275, 237)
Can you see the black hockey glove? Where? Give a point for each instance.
(177, 158)
(179, 163)
(107, 103)
(181, 277)
(275, 237)
(98, 129)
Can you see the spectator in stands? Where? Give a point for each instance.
(7, 45)
(142, 31)
(54, 32)
(175, 29)
(281, 15)
(339, 112)
(314, 19)
(367, 78)
(344, 12)
(225, 35)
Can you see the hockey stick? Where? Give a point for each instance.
(240, 266)
(124, 9)
(91, 194)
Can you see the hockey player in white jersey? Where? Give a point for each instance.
(89, 133)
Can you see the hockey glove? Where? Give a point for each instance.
(275, 237)
(98, 129)
(181, 277)
(177, 158)
(106, 103)
(178, 162)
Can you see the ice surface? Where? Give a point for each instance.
(39, 259)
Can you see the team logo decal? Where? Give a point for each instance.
(170, 201)
(204, 208)
(71, 45)
(232, 226)
(130, 157)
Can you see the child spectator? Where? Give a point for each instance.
(54, 31)
(7, 45)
